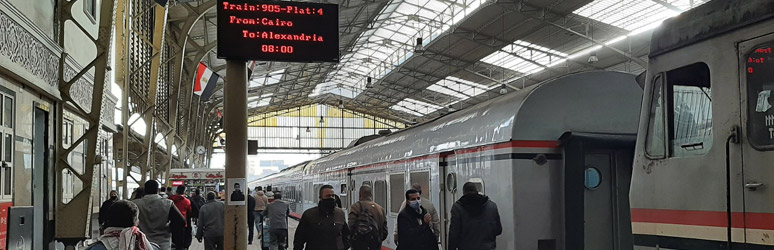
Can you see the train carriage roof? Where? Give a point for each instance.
(589, 102)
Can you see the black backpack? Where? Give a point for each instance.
(365, 232)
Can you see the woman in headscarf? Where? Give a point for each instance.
(121, 231)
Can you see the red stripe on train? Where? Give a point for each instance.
(295, 215)
(764, 221)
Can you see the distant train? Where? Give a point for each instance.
(556, 157)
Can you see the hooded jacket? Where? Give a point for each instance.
(475, 223)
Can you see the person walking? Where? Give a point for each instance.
(197, 201)
(158, 216)
(428, 205)
(250, 216)
(414, 225)
(269, 194)
(260, 205)
(112, 198)
(277, 212)
(182, 239)
(323, 227)
(211, 220)
(163, 193)
(475, 221)
(121, 232)
(138, 193)
(367, 222)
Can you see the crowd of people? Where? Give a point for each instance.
(157, 220)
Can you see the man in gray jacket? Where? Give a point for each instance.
(211, 222)
(158, 216)
(475, 221)
(277, 212)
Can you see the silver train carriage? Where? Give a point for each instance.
(552, 156)
(702, 173)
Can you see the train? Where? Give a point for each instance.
(531, 164)
(702, 170)
(598, 160)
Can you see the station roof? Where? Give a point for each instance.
(472, 50)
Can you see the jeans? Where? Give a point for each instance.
(278, 239)
(213, 243)
(258, 219)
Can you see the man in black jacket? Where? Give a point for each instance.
(414, 225)
(475, 221)
(103, 210)
(323, 227)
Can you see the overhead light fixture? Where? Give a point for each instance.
(308, 130)
(451, 108)
(341, 104)
(368, 83)
(322, 120)
(419, 47)
(593, 57)
(503, 90)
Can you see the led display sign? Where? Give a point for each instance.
(278, 31)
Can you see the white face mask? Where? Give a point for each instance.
(415, 204)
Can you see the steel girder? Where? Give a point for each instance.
(73, 219)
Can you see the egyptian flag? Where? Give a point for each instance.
(205, 82)
(250, 69)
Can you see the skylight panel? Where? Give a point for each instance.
(459, 88)
(626, 14)
(267, 79)
(391, 42)
(524, 57)
(259, 103)
(418, 108)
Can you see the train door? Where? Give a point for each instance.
(449, 194)
(597, 178)
(757, 57)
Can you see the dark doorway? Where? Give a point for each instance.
(40, 169)
(598, 171)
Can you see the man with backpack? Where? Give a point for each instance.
(367, 222)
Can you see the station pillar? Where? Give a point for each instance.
(235, 126)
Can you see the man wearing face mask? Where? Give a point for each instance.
(414, 225)
(427, 204)
(323, 227)
(103, 210)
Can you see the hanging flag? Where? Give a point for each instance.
(205, 82)
(250, 69)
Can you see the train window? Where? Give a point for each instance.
(397, 192)
(690, 116)
(423, 179)
(380, 193)
(593, 178)
(760, 83)
(654, 140)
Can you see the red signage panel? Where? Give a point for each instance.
(278, 31)
(4, 208)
